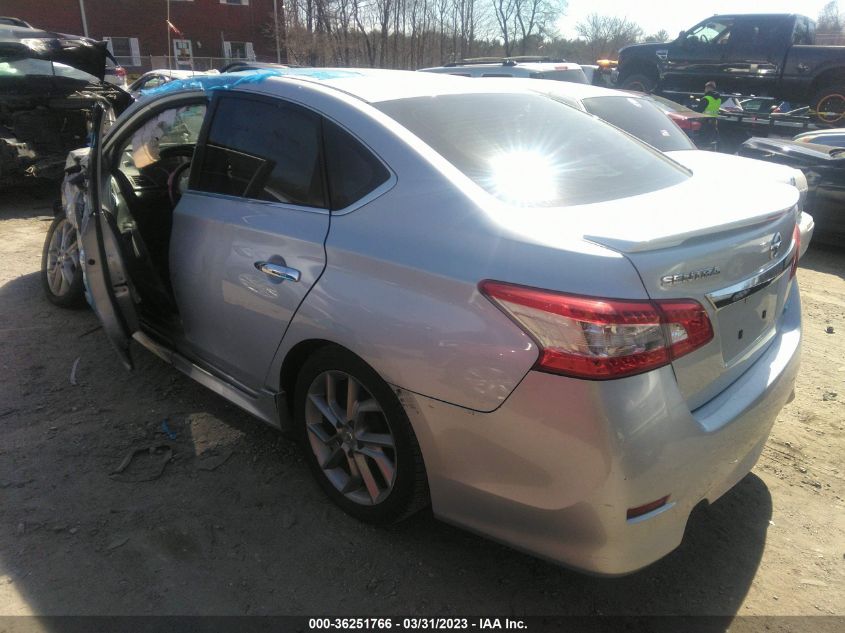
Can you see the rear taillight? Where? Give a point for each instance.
(796, 244)
(601, 339)
(120, 71)
(692, 125)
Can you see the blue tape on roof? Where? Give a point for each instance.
(227, 81)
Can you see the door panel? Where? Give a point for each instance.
(257, 200)
(107, 282)
(755, 54)
(234, 316)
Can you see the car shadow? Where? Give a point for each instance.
(233, 523)
(824, 258)
(28, 200)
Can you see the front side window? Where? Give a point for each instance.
(710, 32)
(264, 150)
(529, 150)
(159, 145)
(642, 119)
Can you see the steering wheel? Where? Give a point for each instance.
(703, 39)
(177, 182)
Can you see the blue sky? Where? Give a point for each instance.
(674, 15)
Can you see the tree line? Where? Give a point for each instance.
(411, 34)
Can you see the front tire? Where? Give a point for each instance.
(638, 83)
(61, 274)
(358, 440)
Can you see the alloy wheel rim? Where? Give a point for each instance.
(62, 259)
(351, 438)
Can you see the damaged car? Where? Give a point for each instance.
(824, 169)
(446, 289)
(49, 83)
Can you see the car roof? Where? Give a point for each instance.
(367, 84)
(815, 133)
(10, 21)
(752, 14)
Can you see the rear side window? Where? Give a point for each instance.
(640, 118)
(264, 150)
(529, 150)
(353, 170)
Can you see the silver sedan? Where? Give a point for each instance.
(457, 294)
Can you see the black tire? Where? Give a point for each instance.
(638, 83)
(71, 295)
(829, 106)
(409, 491)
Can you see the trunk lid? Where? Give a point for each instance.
(731, 252)
(725, 244)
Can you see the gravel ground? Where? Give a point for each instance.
(235, 525)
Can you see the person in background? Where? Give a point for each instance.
(711, 101)
(710, 104)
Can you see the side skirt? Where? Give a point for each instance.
(265, 405)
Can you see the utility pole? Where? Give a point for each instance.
(84, 19)
(276, 20)
(167, 25)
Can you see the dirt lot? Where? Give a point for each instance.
(235, 524)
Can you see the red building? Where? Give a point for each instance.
(210, 32)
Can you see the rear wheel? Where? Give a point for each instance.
(829, 106)
(61, 274)
(638, 83)
(358, 440)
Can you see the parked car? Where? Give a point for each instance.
(528, 67)
(750, 54)
(831, 138)
(824, 167)
(116, 75)
(699, 127)
(455, 304)
(48, 84)
(241, 65)
(156, 78)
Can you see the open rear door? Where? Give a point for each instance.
(110, 290)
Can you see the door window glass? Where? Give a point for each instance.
(264, 150)
(710, 33)
(353, 170)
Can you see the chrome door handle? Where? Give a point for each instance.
(277, 271)
(802, 68)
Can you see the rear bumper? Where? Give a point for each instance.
(555, 468)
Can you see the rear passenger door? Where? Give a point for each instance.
(248, 234)
(755, 54)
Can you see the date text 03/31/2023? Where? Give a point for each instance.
(414, 624)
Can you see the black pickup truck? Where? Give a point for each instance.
(754, 54)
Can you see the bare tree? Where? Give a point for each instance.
(661, 36)
(604, 35)
(829, 21)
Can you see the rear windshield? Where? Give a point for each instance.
(30, 67)
(641, 119)
(573, 75)
(530, 150)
